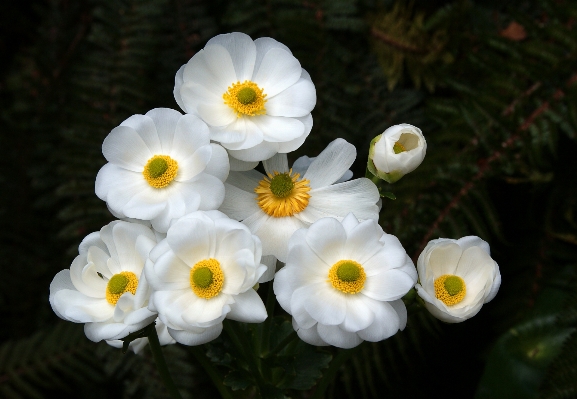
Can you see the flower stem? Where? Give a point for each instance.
(289, 338)
(329, 376)
(212, 372)
(270, 304)
(161, 363)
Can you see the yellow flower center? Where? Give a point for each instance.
(119, 284)
(450, 289)
(347, 276)
(282, 194)
(160, 171)
(206, 278)
(245, 98)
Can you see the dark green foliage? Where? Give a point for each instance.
(491, 84)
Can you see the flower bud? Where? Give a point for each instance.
(456, 277)
(396, 152)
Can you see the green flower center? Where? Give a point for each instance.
(348, 271)
(453, 285)
(202, 277)
(157, 167)
(246, 95)
(117, 284)
(281, 185)
(398, 148)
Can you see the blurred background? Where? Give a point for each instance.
(492, 84)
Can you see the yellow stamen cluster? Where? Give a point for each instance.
(160, 171)
(347, 276)
(245, 98)
(282, 194)
(450, 289)
(119, 284)
(206, 278)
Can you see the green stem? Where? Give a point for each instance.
(289, 338)
(243, 345)
(329, 376)
(161, 363)
(212, 372)
(270, 304)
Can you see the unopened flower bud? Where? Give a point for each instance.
(396, 152)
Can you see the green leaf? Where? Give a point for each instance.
(238, 379)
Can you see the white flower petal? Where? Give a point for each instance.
(192, 338)
(473, 241)
(278, 128)
(444, 259)
(145, 128)
(79, 308)
(248, 308)
(327, 238)
(218, 114)
(178, 82)
(388, 286)
(331, 164)
(335, 336)
(190, 135)
(194, 94)
(194, 164)
(277, 71)
(211, 67)
(125, 148)
(275, 233)
(363, 241)
(207, 311)
(385, 325)
(474, 260)
(242, 51)
(327, 306)
(270, 262)
(278, 163)
(97, 332)
(241, 166)
(169, 272)
(292, 145)
(165, 120)
(192, 240)
(296, 101)
(218, 166)
(238, 204)
(263, 45)
(358, 314)
(261, 151)
(309, 335)
(494, 287)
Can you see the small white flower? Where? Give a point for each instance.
(254, 95)
(105, 287)
(277, 205)
(201, 273)
(138, 344)
(343, 281)
(456, 277)
(397, 151)
(161, 166)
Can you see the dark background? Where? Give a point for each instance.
(490, 83)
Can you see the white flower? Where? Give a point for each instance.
(138, 344)
(105, 287)
(456, 277)
(397, 151)
(343, 281)
(254, 95)
(285, 201)
(160, 167)
(203, 272)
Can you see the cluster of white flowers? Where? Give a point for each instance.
(200, 227)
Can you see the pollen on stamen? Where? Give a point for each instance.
(160, 171)
(282, 194)
(245, 98)
(347, 276)
(119, 284)
(450, 289)
(206, 278)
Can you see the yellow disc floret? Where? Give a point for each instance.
(347, 276)
(206, 278)
(245, 98)
(160, 171)
(450, 289)
(398, 148)
(282, 194)
(119, 284)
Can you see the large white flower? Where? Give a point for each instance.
(254, 95)
(105, 287)
(456, 277)
(201, 273)
(277, 205)
(138, 344)
(160, 167)
(397, 151)
(343, 281)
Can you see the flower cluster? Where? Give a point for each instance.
(200, 227)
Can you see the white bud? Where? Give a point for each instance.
(397, 151)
